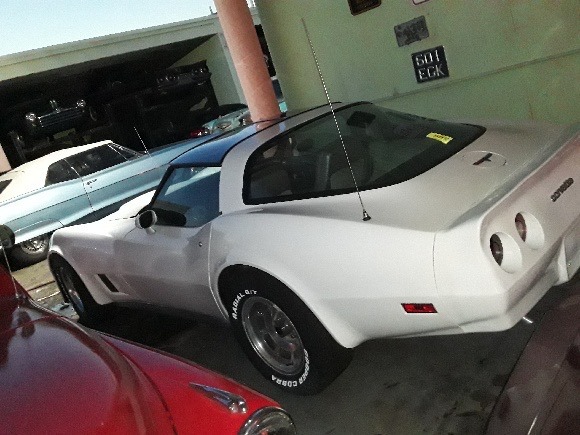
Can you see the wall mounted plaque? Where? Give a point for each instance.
(430, 64)
(360, 6)
(411, 31)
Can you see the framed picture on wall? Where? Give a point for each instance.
(360, 6)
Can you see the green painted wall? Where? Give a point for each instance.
(515, 59)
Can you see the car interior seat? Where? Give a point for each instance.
(268, 180)
(332, 168)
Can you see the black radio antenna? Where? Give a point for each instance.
(366, 216)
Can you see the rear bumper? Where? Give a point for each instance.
(508, 307)
(485, 296)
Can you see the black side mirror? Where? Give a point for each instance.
(145, 220)
(6, 237)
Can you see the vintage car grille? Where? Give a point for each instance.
(59, 119)
(62, 116)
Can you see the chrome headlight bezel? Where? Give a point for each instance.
(269, 420)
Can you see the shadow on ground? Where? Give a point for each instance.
(430, 385)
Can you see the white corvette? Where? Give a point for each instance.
(314, 233)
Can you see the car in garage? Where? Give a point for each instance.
(59, 377)
(107, 99)
(326, 228)
(72, 185)
(236, 118)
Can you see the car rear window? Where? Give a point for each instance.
(384, 147)
(95, 159)
(4, 184)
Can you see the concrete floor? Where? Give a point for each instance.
(426, 385)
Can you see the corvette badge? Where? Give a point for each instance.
(565, 185)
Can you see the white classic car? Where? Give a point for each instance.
(316, 232)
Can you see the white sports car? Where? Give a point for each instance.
(316, 232)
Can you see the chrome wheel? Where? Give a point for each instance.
(273, 335)
(74, 290)
(35, 245)
(30, 251)
(68, 285)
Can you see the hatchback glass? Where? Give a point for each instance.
(376, 147)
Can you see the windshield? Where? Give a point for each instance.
(189, 197)
(126, 152)
(384, 147)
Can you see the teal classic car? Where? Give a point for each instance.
(75, 185)
(239, 116)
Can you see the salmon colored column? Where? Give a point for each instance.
(242, 40)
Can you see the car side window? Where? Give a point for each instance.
(303, 163)
(95, 159)
(189, 197)
(58, 172)
(266, 177)
(4, 184)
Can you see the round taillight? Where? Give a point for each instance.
(496, 248)
(506, 252)
(530, 230)
(521, 226)
(199, 132)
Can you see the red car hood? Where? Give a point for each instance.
(58, 377)
(190, 407)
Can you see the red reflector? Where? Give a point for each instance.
(199, 132)
(419, 308)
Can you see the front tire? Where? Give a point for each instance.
(74, 291)
(282, 337)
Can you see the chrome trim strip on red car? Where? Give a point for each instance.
(236, 404)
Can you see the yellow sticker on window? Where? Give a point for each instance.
(440, 137)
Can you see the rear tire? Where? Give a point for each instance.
(31, 251)
(281, 336)
(74, 291)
